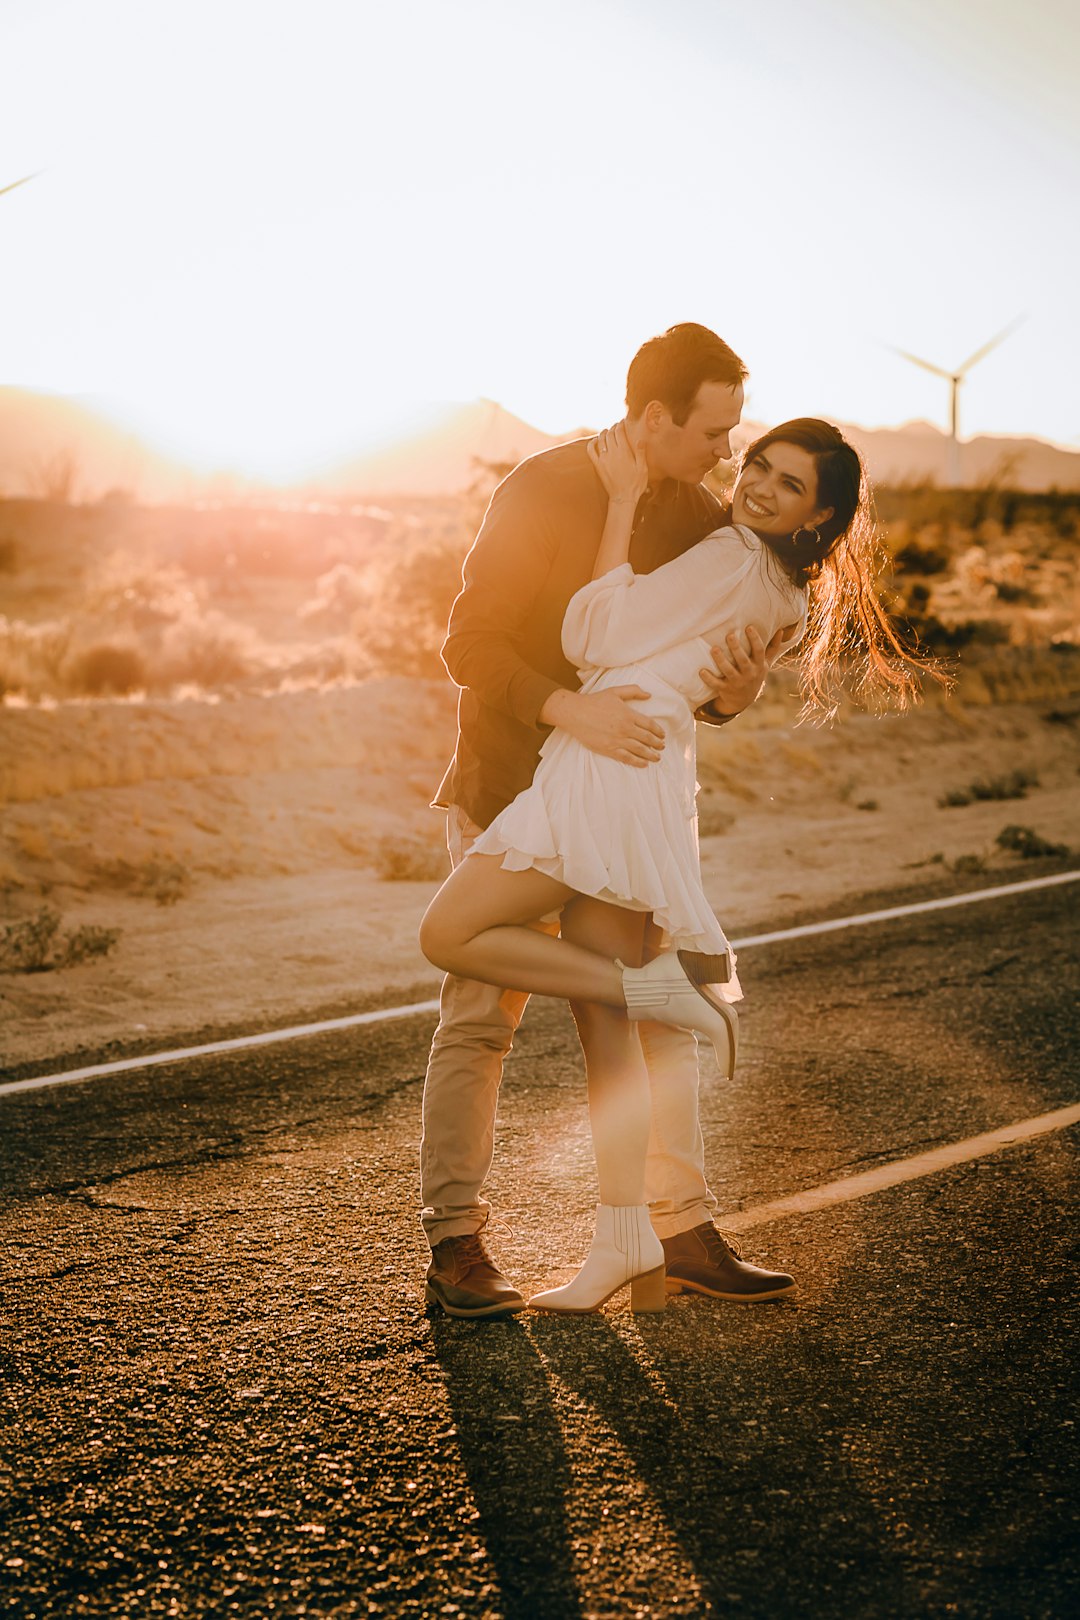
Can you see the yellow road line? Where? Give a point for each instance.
(901, 1170)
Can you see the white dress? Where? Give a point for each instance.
(624, 833)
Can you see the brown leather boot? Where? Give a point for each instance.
(465, 1281)
(701, 1261)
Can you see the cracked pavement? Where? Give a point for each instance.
(222, 1393)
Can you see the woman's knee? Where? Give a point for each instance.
(438, 938)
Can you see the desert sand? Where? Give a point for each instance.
(238, 844)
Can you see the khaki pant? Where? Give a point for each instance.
(476, 1030)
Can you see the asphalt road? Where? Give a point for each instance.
(223, 1394)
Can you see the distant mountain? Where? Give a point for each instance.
(444, 456)
(918, 453)
(47, 441)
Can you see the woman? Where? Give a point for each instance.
(608, 845)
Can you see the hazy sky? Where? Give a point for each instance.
(268, 223)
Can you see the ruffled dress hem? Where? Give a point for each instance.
(657, 873)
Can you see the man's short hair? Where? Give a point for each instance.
(673, 366)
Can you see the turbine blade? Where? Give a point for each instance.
(926, 364)
(980, 354)
(16, 183)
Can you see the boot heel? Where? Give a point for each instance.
(727, 1054)
(702, 968)
(647, 1292)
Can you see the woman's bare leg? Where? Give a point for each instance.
(475, 927)
(620, 1110)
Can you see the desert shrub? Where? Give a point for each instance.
(968, 863)
(25, 947)
(917, 598)
(410, 861)
(1025, 674)
(338, 594)
(1027, 843)
(139, 594)
(713, 822)
(163, 881)
(965, 633)
(209, 650)
(85, 944)
(106, 667)
(1012, 786)
(354, 843)
(32, 656)
(401, 626)
(924, 505)
(1008, 591)
(36, 945)
(920, 559)
(156, 878)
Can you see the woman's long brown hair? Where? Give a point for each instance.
(850, 642)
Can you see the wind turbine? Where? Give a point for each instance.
(16, 183)
(954, 379)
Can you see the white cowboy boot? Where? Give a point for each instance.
(625, 1249)
(673, 989)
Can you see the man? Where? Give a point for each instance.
(535, 549)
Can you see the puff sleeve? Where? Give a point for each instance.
(723, 583)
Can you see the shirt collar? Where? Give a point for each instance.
(662, 493)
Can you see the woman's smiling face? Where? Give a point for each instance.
(777, 491)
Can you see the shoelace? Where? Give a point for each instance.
(470, 1248)
(717, 1241)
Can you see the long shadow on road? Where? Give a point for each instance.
(589, 1357)
(511, 1445)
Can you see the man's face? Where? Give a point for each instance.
(691, 451)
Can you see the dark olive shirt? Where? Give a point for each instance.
(535, 549)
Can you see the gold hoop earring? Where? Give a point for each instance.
(809, 531)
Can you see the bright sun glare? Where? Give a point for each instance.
(267, 230)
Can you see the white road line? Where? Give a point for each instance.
(268, 1038)
(909, 911)
(413, 1009)
(900, 1170)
